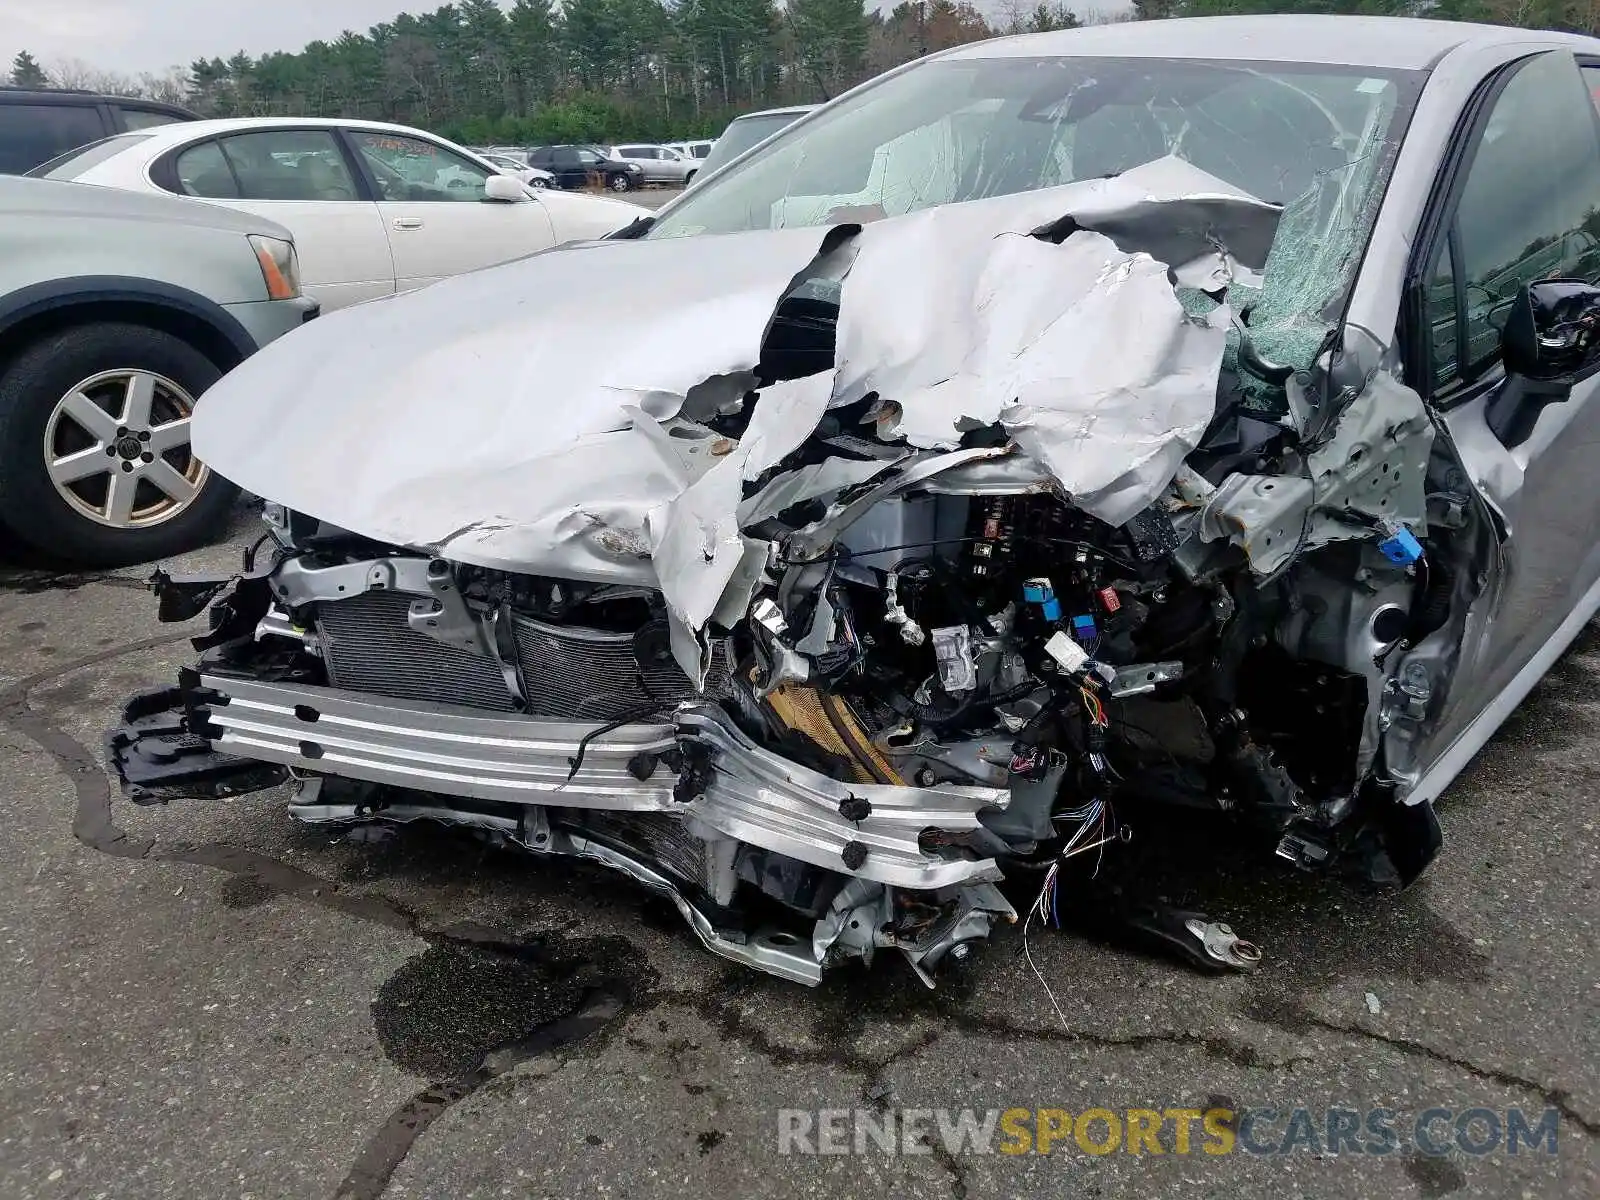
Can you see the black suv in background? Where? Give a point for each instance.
(35, 126)
(577, 166)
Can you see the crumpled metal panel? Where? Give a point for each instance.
(1372, 468)
(959, 318)
(695, 538)
(696, 546)
(542, 416)
(488, 415)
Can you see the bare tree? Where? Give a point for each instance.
(170, 86)
(75, 73)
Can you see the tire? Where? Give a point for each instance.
(689, 178)
(75, 387)
(539, 183)
(620, 183)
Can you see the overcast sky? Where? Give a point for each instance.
(131, 36)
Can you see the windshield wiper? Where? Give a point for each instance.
(635, 228)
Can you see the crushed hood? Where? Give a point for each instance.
(545, 415)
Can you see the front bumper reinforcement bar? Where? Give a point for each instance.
(700, 766)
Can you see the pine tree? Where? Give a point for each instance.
(26, 71)
(831, 40)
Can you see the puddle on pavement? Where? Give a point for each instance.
(448, 1008)
(32, 583)
(464, 1012)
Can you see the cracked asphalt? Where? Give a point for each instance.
(205, 1000)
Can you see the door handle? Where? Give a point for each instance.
(408, 222)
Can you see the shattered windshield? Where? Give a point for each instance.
(1316, 138)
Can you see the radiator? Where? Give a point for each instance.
(369, 647)
(580, 674)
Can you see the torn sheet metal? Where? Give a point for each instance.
(707, 568)
(810, 482)
(486, 402)
(1208, 231)
(1371, 469)
(695, 541)
(1112, 428)
(959, 318)
(543, 415)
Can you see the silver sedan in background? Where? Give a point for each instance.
(117, 312)
(660, 164)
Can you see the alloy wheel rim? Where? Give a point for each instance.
(116, 449)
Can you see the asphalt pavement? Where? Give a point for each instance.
(653, 197)
(206, 1000)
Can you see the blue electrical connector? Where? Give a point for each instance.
(1083, 628)
(1399, 544)
(1039, 591)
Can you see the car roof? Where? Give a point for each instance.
(164, 136)
(1403, 43)
(78, 96)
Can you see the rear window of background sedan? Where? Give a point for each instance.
(74, 163)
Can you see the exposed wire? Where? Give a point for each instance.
(1038, 909)
(652, 706)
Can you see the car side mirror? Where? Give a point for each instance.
(1549, 343)
(1550, 331)
(503, 189)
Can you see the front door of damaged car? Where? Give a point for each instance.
(435, 214)
(1526, 206)
(301, 179)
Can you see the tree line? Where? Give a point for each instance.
(603, 70)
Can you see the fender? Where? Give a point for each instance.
(36, 298)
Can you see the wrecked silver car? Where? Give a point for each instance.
(1045, 435)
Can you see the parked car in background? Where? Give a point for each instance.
(375, 208)
(578, 166)
(117, 311)
(697, 149)
(517, 154)
(749, 130)
(38, 124)
(517, 168)
(658, 164)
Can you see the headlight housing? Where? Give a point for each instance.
(280, 266)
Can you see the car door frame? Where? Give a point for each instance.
(1471, 714)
